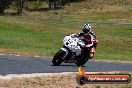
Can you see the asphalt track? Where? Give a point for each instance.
(28, 65)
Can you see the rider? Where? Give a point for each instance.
(89, 38)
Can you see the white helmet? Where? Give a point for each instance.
(86, 28)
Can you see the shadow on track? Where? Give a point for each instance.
(68, 65)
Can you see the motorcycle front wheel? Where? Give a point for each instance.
(58, 58)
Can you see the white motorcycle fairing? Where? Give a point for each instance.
(71, 52)
(73, 44)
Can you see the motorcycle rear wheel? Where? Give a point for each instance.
(81, 62)
(58, 58)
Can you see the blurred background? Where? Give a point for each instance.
(37, 27)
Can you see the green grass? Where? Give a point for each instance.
(22, 38)
(115, 42)
(41, 33)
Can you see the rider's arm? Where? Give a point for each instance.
(93, 41)
(80, 34)
(89, 44)
(77, 34)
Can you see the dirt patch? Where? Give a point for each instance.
(56, 81)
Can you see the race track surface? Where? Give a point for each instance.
(28, 65)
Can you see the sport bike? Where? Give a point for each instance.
(71, 52)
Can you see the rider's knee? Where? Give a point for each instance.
(91, 55)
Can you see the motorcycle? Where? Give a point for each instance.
(71, 52)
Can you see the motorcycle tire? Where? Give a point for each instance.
(81, 62)
(58, 58)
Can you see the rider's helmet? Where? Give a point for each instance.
(86, 28)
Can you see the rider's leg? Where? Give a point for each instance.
(91, 54)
